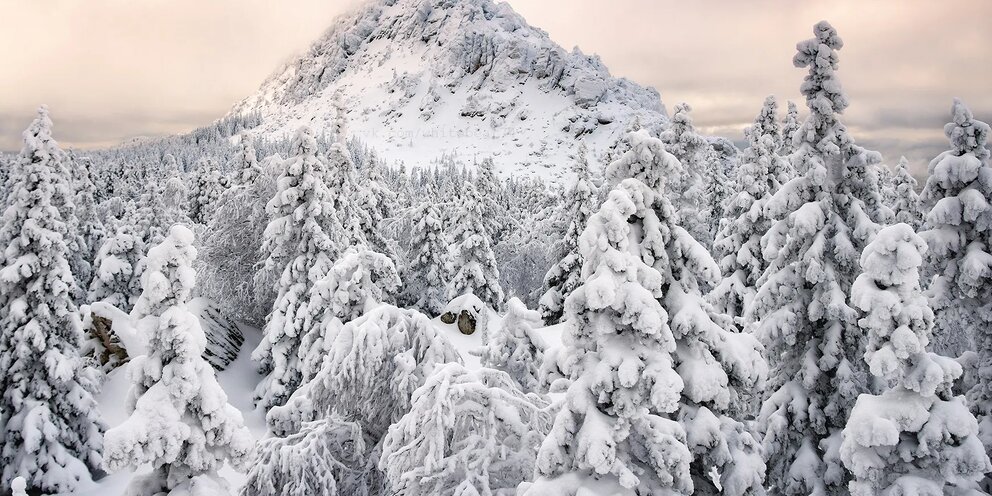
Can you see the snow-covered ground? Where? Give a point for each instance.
(239, 381)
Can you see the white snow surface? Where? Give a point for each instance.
(418, 80)
(239, 381)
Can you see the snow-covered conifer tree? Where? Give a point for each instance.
(467, 433)
(425, 275)
(790, 124)
(824, 219)
(687, 192)
(914, 438)
(301, 242)
(51, 429)
(907, 207)
(117, 269)
(738, 244)
(517, 348)
(565, 275)
(473, 263)
(90, 230)
(958, 197)
(180, 422)
(205, 189)
(613, 434)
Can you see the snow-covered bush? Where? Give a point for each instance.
(180, 422)
(230, 245)
(517, 347)
(359, 281)
(467, 433)
(327, 457)
(50, 428)
(914, 438)
(373, 365)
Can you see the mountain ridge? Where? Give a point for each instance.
(421, 79)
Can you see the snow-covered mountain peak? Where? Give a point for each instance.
(422, 79)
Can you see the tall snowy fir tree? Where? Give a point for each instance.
(425, 274)
(180, 422)
(654, 368)
(906, 206)
(117, 269)
(738, 244)
(958, 198)
(790, 125)
(687, 192)
(620, 359)
(472, 264)
(825, 218)
(301, 242)
(205, 189)
(356, 205)
(51, 429)
(565, 275)
(915, 437)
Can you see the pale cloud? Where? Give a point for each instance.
(112, 69)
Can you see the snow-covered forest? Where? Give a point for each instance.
(274, 306)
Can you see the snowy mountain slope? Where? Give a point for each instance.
(420, 79)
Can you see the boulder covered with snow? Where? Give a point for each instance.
(467, 311)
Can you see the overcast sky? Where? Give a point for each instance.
(113, 69)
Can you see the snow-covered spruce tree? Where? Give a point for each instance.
(425, 275)
(790, 125)
(248, 169)
(565, 275)
(51, 430)
(117, 269)
(473, 265)
(517, 348)
(687, 192)
(327, 457)
(233, 239)
(914, 438)
(91, 230)
(653, 372)
(620, 360)
(372, 367)
(958, 198)
(205, 188)
(494, 201)
(467, 433)
(738, 244)
(825, 218)
(180, 422)
(354, 204)
(907, 207)
(301, 242)
(359, 280)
